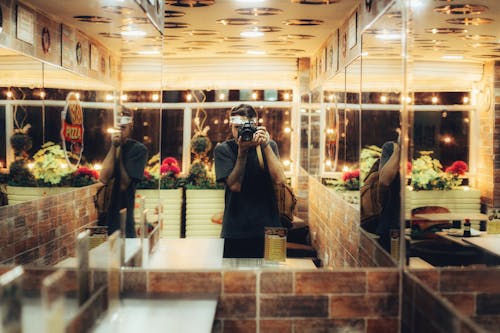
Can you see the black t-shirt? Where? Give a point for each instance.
(134, 156)
(246, 213)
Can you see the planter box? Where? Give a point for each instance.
(201, 205)
(18, 194)
(171, 201)
(457, 201)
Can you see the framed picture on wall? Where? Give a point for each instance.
(25, 25)
(334, 52)
(352, 31)
(94, 58)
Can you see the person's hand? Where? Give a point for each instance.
(243, 146)
(261, 136)
(116, 139)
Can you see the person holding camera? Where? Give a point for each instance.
(250, 203)
(124, 163)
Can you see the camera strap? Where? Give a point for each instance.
(259, 157)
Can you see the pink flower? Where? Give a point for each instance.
(169, 161)
(457, 168)
(165, 168)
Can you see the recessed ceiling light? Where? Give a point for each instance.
(149, 52)
(237, 21)
(174, 13)
(452, 57)
(251, 33)
(304, 22)
(471, 21)
(133, 33)
(461, 9)
(256, 52)
(388, 36)
(259, 11)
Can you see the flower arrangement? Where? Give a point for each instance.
(348, 182)
(170, 171)
(151, 174)
(83, 176)
(50, 165)
(427, 173)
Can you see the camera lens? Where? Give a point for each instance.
(246, 131)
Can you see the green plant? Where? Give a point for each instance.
(427, 174)
(83, 176)
(20, 174)
(200, 144)
(21, 143)
(50, 165)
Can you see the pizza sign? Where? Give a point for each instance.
(72, 128)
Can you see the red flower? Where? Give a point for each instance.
(457, 168)
(169, 161)
(84, 171)
(409, 167)
(147, 175)
(348, 175)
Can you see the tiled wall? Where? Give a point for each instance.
(44, 231)
(424, 312)
(349, 300)
(336, 232)
(475, 292)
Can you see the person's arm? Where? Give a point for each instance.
(274, 165)
(235, 178)
(108, 165)
(391, 168)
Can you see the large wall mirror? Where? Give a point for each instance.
(449, 102)
(34, 96)
(60, 100)
(381, 91)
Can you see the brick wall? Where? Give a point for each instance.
(43, 231)
(336, 232)
(348, 300)
(473, 291)
(424, 312)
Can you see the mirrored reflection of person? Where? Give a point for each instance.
(250, 204)
(389, 192)
(128, 170)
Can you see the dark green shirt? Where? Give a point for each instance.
(246, 213)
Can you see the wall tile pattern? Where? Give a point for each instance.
(473, 291)
(423, 312)
(336, 232)
(347, 300)
(43, 231)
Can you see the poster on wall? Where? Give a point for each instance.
(352, 31)
(25, 25)
(334, 52)
(72, 130)
(94, 58)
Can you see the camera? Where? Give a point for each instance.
(246, 131)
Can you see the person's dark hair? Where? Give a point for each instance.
(244, 110)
